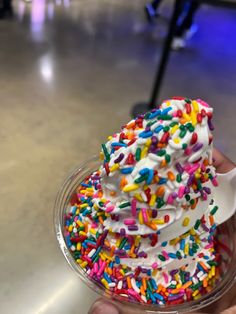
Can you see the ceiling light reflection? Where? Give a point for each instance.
(46, 69)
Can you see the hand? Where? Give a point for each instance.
(226, 305)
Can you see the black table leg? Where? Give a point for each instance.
(143, 107)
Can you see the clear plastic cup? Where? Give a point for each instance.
(226, 234)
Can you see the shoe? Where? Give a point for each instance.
(178, 43)
(150, 12)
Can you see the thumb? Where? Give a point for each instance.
(231, 310)
(103, 307)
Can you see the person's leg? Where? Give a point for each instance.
(151, 9)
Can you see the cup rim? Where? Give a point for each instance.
(62, 201)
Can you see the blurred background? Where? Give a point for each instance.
(70, 73)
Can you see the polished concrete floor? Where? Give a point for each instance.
(69, 74)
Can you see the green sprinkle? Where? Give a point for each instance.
(184, 146)
(214, 210)
(141, 179)
(125, 204)
(173, 124)
(178, 254)
(105, 151)
(196, 286)
(150, 123)
(190, 127)
(187, 197)
(147, 115)
(188, 100)
(164, 117)
(162, 152)
(199, 185)
(167, 158)
(192, 202)
(149, 285)
(96, 258)
(197, 224)
(179, 178)
(138, 154)
(182, 133)
(166, 128)
(122, 243)
(172, 286)
(182, 127)
(161, 257)
(212, 263)
(160, 202)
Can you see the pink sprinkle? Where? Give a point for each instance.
(95, 268)
(154, 265)
(80, 195)
(134, 294)
(203, 103)
(100, 262)
(165, 277)
(144, 213)
(88, 259)
(193, 168)
(129, 221)
(91, 273)
(101, 270)
(94, 224)
(76, 218)
(174, 114)
(110, 208)
(214, 181)
(95, 195)
(170, 199)
(187, 151)
(165, 254)
(208, 246)
(181, 191)
(133, 207)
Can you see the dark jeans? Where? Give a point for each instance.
(186, 18)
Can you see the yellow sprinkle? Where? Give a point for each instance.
(95, 206)
(186, 116)
(108, 257)
(197, 176)
(83, 205)
(84, 264)
(118, 242)
(197, 297)
(93, 231)
(154, 272)
(195, 293)
(82, 233)
(193, 118)
(192, 231)
(213, 270)
(158, 221)
(79, 261)
(178, 286)
(174, 129)
(176, 140)
(89, 189)
(148, 142)
(195, 106)
(152, 200)
(124, 266)
(105, 283)
(186, 248)
(101, 156)
(140, 218)
(167, 103)
(130, 187)
(79, 223)
(186, 221)
(137, 240)
(109, 137)
(114, 167)
(70, 228)
(144, 152)
(145, 187)
(174, 241)
(78, 246)
(122, 271)
(138, 197)
(103, 200)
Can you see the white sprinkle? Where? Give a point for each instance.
(112, 284)
(195, 280)
(90, 254)
(74, 230)
(74, 224)
(88, 271)
(135, 287)
(120, 284)
(173, 282)
(200, 274)
(72, 248)
(203, 277)
(144, 197)
(144, 298)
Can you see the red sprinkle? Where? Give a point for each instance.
(179, 113)
(188, 108)
(166, 218)
(203, 113)
(165, 137)
(199, 118)
(194, 138)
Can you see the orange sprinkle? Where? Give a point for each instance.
(212, 221)
(109, 270)
(113, 193)
(175, 291)
(142, 291)
(205, 283)
(130, 125)
(194, 204)
(205, 162)
(170, 175)
(182, 121)
(123, 182)
(151, 225)
(163, 163)
(107, 243)
(100, 194)
(160, 191)
(132, 249)
(100, 220)
(187, 284)
(144, 284)
(203, 266)
(112, 250)
(129, 282)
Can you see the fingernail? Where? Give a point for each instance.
(100, 307)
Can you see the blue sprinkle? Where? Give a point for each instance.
(108, 279)
(118, 144)
(166, 110)
(139, 284)
(164, 244)
(200, 267)
(154, 284)
(158, 129)
(68, 242)
(144, 171)
(158, 296)
(172, 255)
(145, 134)
(126, 170)
(127, 247)
(84, 245)
(182, 244)
(85, 184)
(117, 259)
(154, 114)
(162, 181)
(150, 176)
(149, 272)
(152, 296)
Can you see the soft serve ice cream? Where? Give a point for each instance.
(142, 225)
